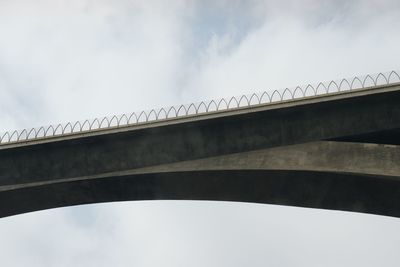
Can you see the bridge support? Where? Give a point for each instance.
(277, 153)
(326, 174)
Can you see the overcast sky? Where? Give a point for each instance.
(69, 60)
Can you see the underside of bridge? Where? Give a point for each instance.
(337, 152)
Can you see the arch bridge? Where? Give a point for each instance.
(338, 150)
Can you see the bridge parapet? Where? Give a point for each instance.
(221, 106)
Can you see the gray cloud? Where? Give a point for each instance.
(69, 60)
(295, 46)
(181, 233)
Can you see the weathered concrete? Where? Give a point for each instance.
(321, 156)
(246, 156)
(324, 190)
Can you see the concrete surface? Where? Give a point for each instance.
(265, 155)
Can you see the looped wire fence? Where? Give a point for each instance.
(310, 90)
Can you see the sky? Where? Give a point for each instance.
(70, 60)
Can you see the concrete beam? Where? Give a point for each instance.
(330, 175)
(321, 156)
(257, 108)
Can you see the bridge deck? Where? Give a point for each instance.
(192, 112)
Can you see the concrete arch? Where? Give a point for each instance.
(364, 178)
(348, 192)
(266, 154)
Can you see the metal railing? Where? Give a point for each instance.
(123, 120)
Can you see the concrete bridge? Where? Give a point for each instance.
(337, 151)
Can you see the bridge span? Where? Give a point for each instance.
(337, 151)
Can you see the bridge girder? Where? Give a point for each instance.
(277, 154)
(326, 174)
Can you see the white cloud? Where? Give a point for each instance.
(177, 233)
(70, 60)
(295, 46)
(73, 60)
